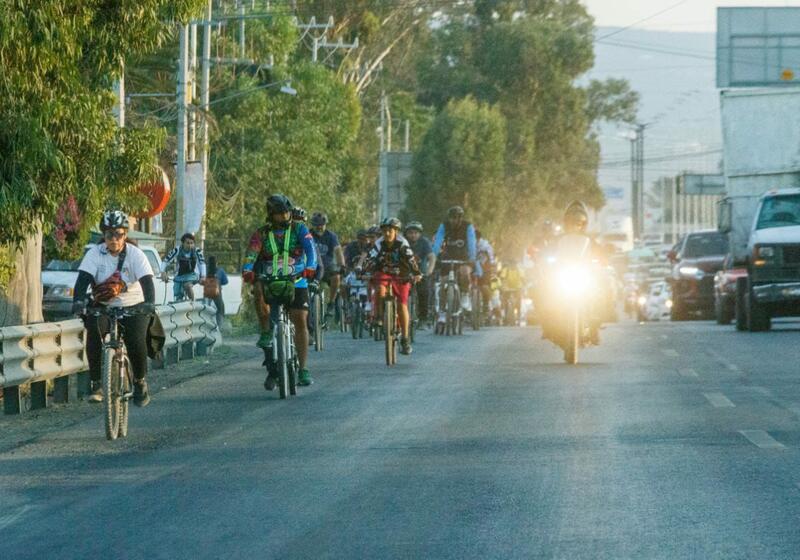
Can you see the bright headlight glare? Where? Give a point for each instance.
(573, 280)
(668, 303)
(642, 300)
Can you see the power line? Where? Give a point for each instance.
(620, 30)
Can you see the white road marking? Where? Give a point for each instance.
(762, 439)
(688, 372)
(671, 352)
(718, 400)
(11, 518)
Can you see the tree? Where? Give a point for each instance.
(461, 162)
(57, 133)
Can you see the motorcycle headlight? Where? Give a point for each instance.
(642, 300)
(61, 291)
(668, 304)
(574, 280)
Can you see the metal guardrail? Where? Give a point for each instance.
(35, 354)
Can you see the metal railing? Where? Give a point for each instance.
(35, 354)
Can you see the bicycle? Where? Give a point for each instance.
(413, 319)
(390, 330)
(448, 296)
(187, 289)
(115, 368)
(476, 301)
(357, 306)
(316, 314)
(280, 357)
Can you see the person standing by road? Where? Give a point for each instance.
(212, 289)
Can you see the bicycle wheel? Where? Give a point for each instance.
(127, 394)
(316, 320)
(340, 312)
(323, 309)
(412, 314)
(475, 301)
(572, 339)
(111, 392)
(283, 360)
(293, 361)
(452, 302)
(388, 329)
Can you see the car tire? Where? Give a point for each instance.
(740, 305)
(758, 319)
(678, 310)
(723, 310)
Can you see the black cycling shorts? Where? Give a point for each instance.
(300, 299)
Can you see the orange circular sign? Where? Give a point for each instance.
(787, 75)
(157, 193)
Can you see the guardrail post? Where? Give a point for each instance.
(12, 400)
(84, 384)
(38, 395)
(61, 386)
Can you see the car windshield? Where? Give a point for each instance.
(63, 266)
(779, 211)
(706, 245)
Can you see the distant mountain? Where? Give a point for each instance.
(675, 76)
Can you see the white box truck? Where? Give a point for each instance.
(761, 210)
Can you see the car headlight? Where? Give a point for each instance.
(61, 291)
(766, 252)
(691, 271)
(642, 300)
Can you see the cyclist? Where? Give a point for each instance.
(392, 262)
(423, 250)
(487, 265)
(357, 250)
(300, 215)
(330, 252)
(120, 276)
(455, 240)
(283, 240)
(191, 265)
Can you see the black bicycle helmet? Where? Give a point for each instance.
(414, 225)
(299, 214)
(455, 212)
(114, 219)
(319, 219)
(374, 230)
(391, 223)
(362, 233)
(278, 204)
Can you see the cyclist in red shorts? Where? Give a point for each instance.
(394, 264)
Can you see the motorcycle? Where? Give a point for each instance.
(571, 280)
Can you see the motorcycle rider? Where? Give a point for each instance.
(191, 265)
(286, 240)
(120, 276)
(455, 240)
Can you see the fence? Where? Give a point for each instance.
(35, 354)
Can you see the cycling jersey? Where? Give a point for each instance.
(353, 252)
(326, 246)
(189, 262)
(300, 250)
(395, 259)
(455, 242)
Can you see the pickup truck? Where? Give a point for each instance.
(58, 281)
(772, 285)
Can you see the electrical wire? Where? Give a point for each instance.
(635, 23)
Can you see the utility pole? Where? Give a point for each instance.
(204, 99)
(408, 136)
(119, 92)
(388, 123)
(637, 181)
(192, 92)
(241, 29)
(180, 172)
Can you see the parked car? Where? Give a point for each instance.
(725, 291)
(58, 281)
(699, 256)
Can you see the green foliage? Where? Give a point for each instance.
(57, 133)
(461, 162)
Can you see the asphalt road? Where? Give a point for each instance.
(669, 441)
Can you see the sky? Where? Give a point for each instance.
(689, 15)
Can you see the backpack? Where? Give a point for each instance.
(113, 285)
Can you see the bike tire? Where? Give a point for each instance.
(412, 315)
(475, 296)
(388, 316)
(323, 309)
(283, 362)
(355, 319)
(111, 392)
(127, 388)
(340, 313)
(452, 302)
(316, 321)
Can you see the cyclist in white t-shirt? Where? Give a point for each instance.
(120, 276)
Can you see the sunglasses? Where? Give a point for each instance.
(109, 234)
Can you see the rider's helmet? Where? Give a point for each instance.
(278, 204)
(114, 219)
(374, 231)
(299, 214)
(319, 219)
(576, 217)
(391, 223)
(455, 213)
(415, 226)
(362, 234)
